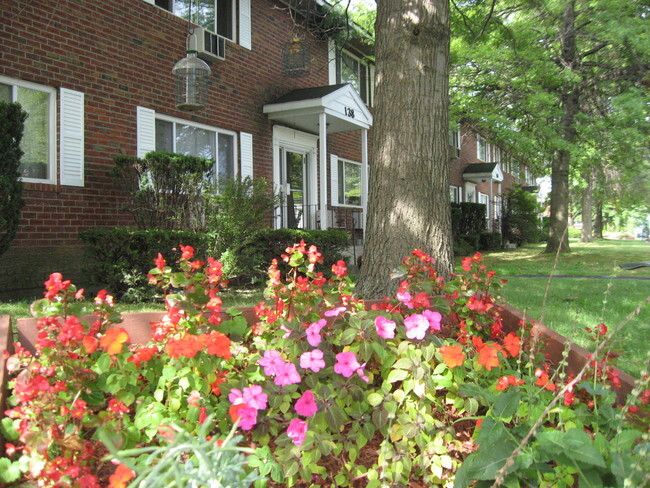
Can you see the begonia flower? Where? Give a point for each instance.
(297, 431)
(113, 340)
(346, 364)
(193, 399)
(187, 252)
(512, 344)
(339, 269)
(306, 404)
(312, 360)
(417, 326)
(121, 477)
(385, 328)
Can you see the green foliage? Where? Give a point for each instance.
(489, 241)
(519, 217)
(184, 458)
(164, 189)
(12, 119)
(118, 259)
(472, 219)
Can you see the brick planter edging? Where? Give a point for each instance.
(138, 327)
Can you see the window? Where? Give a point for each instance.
(217, 16)
(38, 143)
(454, 141)
(496, 154)
(348, 68)
(482, 148)
(349, 182)
(485, 200)
(454, 194)
(183, 137)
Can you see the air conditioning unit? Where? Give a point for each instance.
(209, 46)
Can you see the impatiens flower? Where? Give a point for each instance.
(362, 375)
(113, 339)
(417, 326)
(217, 344)
(346, 364)
(215, 388)
(385, 328)
(512, 344)
(433, 318)
(193, 399)
(487, 355)
(335, 312)
(203, 415)
(287, 332)
(271, 362)
(246, 415)
(543, 380)
(306, 404)
(253, 396)
(312, 360)
(313, 332)
(143, 354)
(236, 396)
(507, 381)
(405, 298)
(188, 346)
(452, 356)
(297, 431)
(339, 269)
(121, 477)
(287, 375)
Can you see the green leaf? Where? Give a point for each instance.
(126, 397)
(348, 337)
(237, 326)
(335, 418)
(579, 446)
(397, 375)
(506, 404)
(103, 364)
(9, 472)
(403, 363)
(375, 399)
(8, 430)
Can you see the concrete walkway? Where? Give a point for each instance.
(580, 276)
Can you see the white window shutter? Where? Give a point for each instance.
(334, 179)
(146, 131)
(246, 153)
(72, 138)
(331, 57)
(245, 36)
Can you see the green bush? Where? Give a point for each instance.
(12, 119)
(466, 244)
(119, 259)
(472, 218)
(519, 221)
(489, 241)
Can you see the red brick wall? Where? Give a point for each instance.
(120, 53)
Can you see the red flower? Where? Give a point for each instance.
(194, 398)
(188, 252)
(187, 346)
(55, 284)
(121, 477)
(466, 264)
(543, 380)
(217, 344)
(339, 269)
(142, 355)
(160, 262)
(215, 388)
(90, 344)
(452, 356)
(116, 406)
(512, 344)
(78, 409)
(113, 340)
(507, 381)
(569, 398)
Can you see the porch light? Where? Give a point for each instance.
(192, 77)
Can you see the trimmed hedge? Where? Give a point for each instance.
(490, 241)
(468, 218)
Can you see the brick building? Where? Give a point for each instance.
(95, 77)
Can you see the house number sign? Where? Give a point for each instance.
(349, 112)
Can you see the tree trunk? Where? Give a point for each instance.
(408, 201)
(587, 207)
(558, 238)
(598, 219)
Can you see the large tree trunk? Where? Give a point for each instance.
(558, 238)
(587, 207)
(598, 219)
(408, 201)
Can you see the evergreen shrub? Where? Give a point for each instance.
(472, 218)
(489, 241)
(519, 221)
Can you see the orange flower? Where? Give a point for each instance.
(488, 355)
(506, 381)
(217, 344)
(452, 356)
(90, 344)
(113, 339)
(512, 343)
(234, 411)
(543, 380)
(142, 355)
(215, 388)
(121, 477)
(187, 346)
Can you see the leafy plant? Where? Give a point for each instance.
(519, 217)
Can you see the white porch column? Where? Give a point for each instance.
(322, 150)
(491, 207)
(364, 178)
(500, 195)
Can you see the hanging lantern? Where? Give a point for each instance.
(192, 77)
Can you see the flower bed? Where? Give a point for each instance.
(326, 390)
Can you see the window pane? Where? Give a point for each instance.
(203, 14)
(226, 165)
(164, 136)
(36, 136)
(352, 184)
(195, 141)
(5, 93)
(350, 71)
(224, 18)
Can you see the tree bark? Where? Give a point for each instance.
(587, 207)
(558, 238)
(408, 201)
(598, 219)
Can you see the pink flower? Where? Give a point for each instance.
(335, 312)
(193, 399)
(287, 375)
(346, 364)
(235, 396)
(405, 298)
(306, 404)
(271, 362)
(297, 431)
(313, 332)
(254, 397)
(416, 326)
(312, 360)
(363, 375)
(287, 331)
(385, 328)
(433, 318)
(246, 415)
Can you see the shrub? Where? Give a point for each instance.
(12, 119)
(472, 219)
(164, 189)
(470, 242)
(118, 259)
(489, 241)
(519, 219)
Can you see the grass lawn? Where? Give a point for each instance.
(575, 303)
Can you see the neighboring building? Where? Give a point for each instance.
(482, 172)
(95, 77)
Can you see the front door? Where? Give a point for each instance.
(294, 169)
